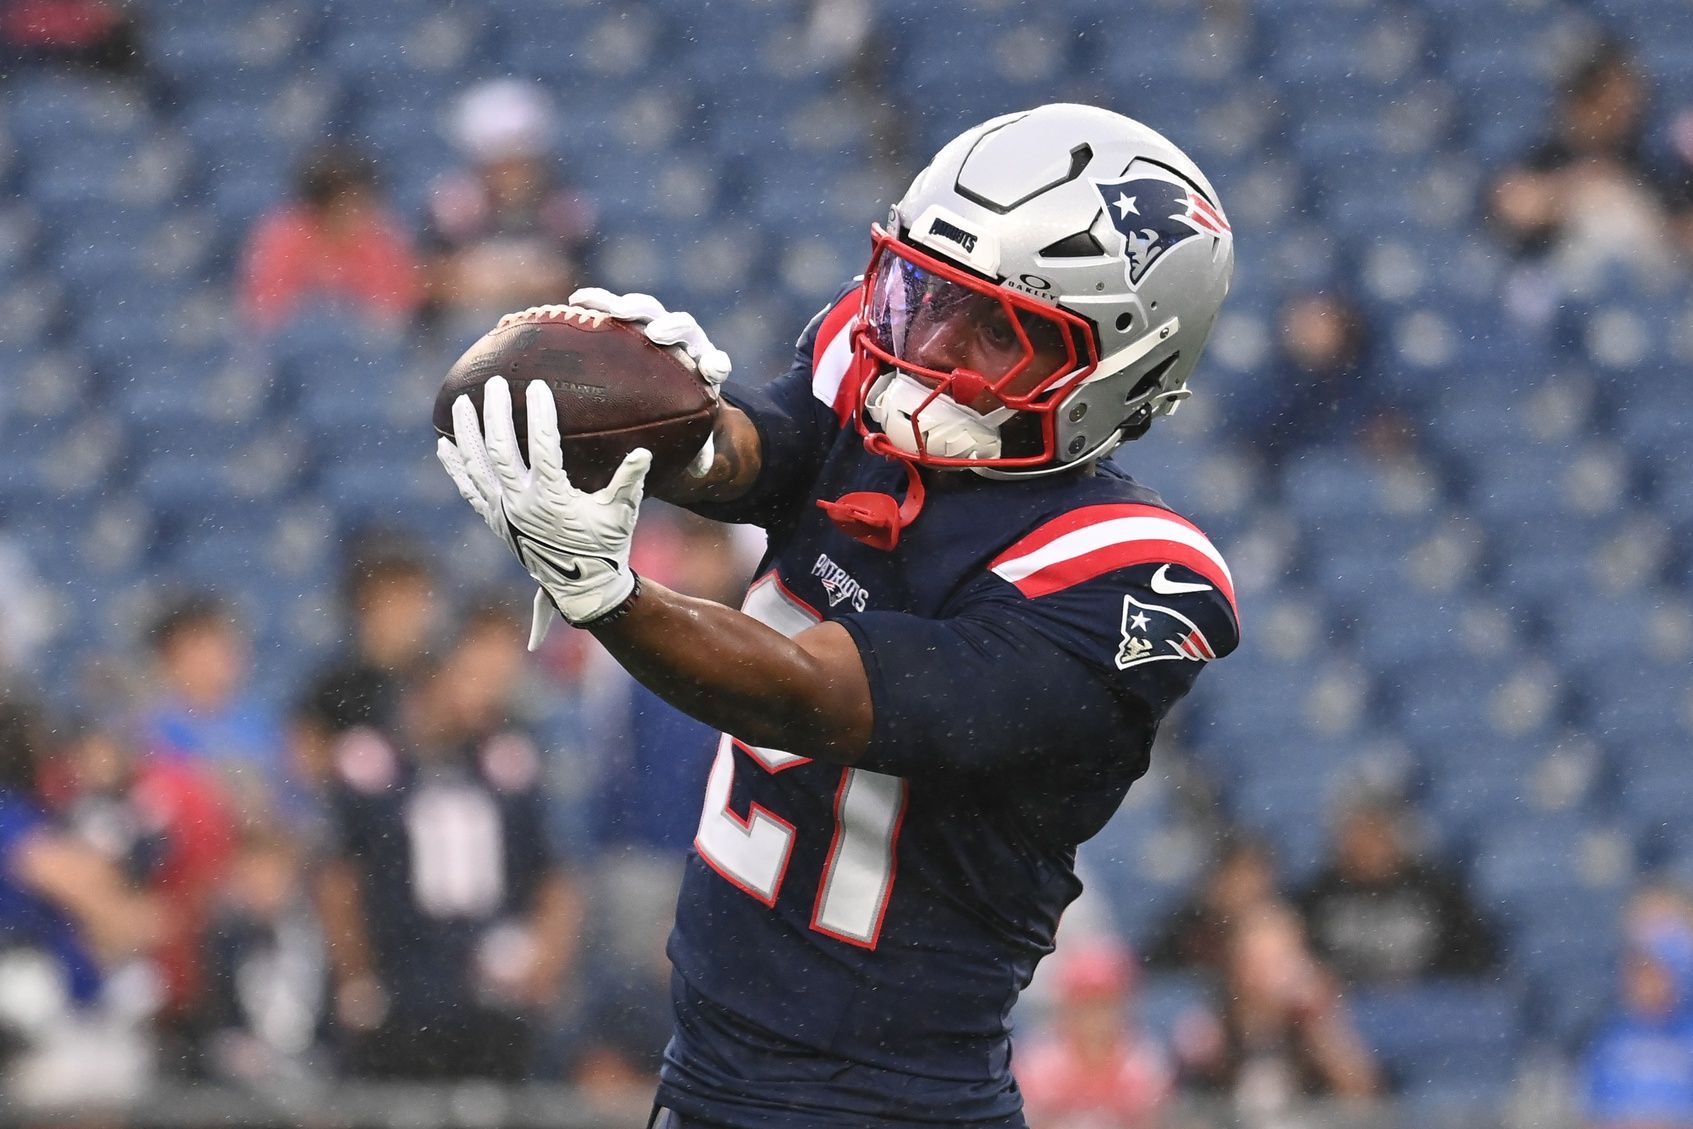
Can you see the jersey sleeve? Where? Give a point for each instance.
(798, 416)
(1074, 635)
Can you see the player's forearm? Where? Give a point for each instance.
(734, 466)
(808, 696)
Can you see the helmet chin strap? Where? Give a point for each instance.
(895, 402)
(1103, 447)
(876, 519)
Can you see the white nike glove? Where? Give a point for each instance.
(666, 327)
(489, 509)
(575, 544)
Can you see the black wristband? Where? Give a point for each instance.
(619, 611)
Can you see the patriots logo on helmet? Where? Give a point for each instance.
(1154, 215)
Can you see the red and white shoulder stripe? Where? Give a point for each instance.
(835, 371)
(1094, 540)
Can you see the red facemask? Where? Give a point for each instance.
(976, 343)
(969, 342)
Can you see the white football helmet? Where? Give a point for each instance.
(1040, 295)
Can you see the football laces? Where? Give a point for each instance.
(591, 319)
(578, 314)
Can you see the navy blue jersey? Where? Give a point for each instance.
(850, 941)
(448, 853)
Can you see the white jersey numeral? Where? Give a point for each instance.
(859, 876)
(457, 851)
(753, 853)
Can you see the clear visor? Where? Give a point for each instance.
(953, 329)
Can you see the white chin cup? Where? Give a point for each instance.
(950, 430)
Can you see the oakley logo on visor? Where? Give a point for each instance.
(1153, 216)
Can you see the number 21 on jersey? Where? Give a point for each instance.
(753, 852)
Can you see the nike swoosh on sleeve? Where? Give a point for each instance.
(1164, 586)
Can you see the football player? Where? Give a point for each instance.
(960, 643)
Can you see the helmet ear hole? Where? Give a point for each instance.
(1125, 322)
(1153, 378)
(1136, 423)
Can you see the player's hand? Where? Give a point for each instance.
(575, 544)
(489, 508)
(666, 327)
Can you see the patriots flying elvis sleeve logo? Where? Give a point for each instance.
(1153, 216)
(1155, 633)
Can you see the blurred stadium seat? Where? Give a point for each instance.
(1442, 1033)
(1471, 610)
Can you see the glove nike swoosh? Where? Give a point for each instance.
(520, 537)
(554, 573)
(573, 571)
(1164, 586)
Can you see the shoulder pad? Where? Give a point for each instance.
(1078, 546)
(1170, 613)
(825, 350)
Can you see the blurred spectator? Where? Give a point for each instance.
(1324, 390)
(335, 243)
(96, 33)
(1656, 909)
(57, 890)
(506, 232)
(268, 969)
(1639, 1070)
(657, 759)
(1093, 1069)
(164, 823)
(451, 923)
(1197, 935)
(390, 593)
(1587, 196)
(202, 709)
(68, 920)
(652, 761)
(1379, 915)
(1283, 1032)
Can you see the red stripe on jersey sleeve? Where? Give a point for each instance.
(1081, 519)
(1123, 554)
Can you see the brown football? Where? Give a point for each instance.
(615, 390)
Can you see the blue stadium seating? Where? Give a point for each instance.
(1460, 1031)
(1255, 706)
(1351, 141)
